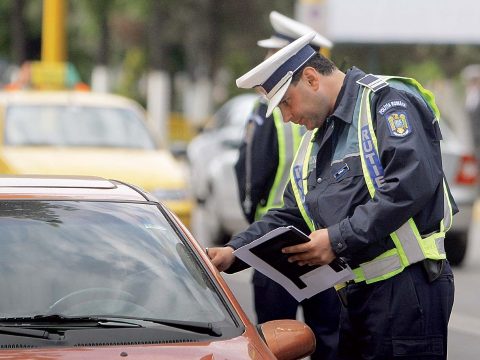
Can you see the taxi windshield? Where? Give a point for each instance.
(100, 259)
(57, 125)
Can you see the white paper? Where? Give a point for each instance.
(315, 281)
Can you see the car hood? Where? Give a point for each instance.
(234, 349)
(149, 169)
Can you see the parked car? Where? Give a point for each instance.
(211, 157)
(85, 133)
(461, 171)
(99, 269)
(215, 182)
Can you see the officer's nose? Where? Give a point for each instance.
(286, 114)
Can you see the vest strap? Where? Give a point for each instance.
(382, 267)
(297, 178)
(392, 262)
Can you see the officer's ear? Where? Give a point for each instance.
(311, 77)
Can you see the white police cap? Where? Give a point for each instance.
(288, 30)
(274, 75)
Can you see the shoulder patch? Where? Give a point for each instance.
(398, 123)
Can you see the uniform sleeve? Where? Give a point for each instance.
(289, 214)
(260, 147)
(409, 151)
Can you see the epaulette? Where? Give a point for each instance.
(373, 82)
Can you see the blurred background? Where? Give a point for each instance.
(196, 49)
(176, 63)
(176, 121)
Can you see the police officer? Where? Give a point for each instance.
(368, 185)
(262, 172)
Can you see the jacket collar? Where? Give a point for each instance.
(347, 97)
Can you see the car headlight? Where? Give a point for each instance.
(171, 194)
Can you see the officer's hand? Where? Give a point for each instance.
(317, 251)
(222, 257)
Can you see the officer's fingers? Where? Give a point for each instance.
(214, 255)
(301, 257)
(222, 258)
(311, 258)
(295, 249)
(310, 263)
(219, 263)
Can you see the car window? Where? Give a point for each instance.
(99, 258)
(235, 112)
(55, 125)
(221, 117)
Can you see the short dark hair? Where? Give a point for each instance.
(320, 63)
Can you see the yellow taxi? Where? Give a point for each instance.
(68, 132)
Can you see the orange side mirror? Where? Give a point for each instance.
(288, 339)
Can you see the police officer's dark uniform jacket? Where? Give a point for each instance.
(337, 196)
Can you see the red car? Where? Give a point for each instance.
(99, 269)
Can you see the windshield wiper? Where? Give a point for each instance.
(194, 326)
(109, 321)
(56, 319)
(33, 333)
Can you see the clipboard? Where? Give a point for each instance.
(265, 255)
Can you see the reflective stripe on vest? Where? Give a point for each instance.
(299, 175)
(410, 247)
(289, 136)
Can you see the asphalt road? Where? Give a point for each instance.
(464, 334)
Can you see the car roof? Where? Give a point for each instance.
(84, 98)
(68, 188)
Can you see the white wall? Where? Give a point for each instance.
(394, 21)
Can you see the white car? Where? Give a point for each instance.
(213, 155)
(461, 171)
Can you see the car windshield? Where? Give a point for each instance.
(56, 125)
(100, 259)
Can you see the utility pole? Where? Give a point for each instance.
(53, 31)
(52, 71)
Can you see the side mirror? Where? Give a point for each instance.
(288, 339)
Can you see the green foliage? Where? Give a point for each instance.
(205, 37)
(133, 68)
(4, 29)
(428, 70)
